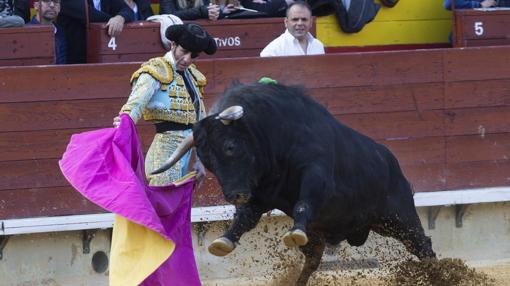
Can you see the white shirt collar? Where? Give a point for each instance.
(289, 36)
(170, 57)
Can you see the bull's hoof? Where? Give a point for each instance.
(295, 237)
(221, 246)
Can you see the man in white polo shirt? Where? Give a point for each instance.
(297, 40)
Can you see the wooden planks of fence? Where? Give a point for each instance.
(444, 113)
(28, 45)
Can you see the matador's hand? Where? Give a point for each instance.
(116, 122)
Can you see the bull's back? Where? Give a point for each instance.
(369, 184)
(367, 173)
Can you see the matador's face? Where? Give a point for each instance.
(183, 58)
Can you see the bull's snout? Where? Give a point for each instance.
(238, 198)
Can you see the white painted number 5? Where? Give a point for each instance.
(478, 28)
(112, 44)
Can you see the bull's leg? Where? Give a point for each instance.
(406, 227)
(411, 233)
(313, 253)
(246, 218)
(358, 238)
(297, 235)
(312, 186)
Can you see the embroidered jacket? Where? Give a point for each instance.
(159, 93)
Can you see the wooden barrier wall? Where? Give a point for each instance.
(477, 27)
(28, 45)
(444, 113)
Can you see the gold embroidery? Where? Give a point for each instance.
(159, 68)
(199, 77)
(181, 108)
(161, 148)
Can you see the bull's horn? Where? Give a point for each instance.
(232, 113)
(185, 145)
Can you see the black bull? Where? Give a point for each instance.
(274, 147)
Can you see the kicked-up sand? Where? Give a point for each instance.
(444, 272)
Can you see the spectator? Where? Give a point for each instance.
(22, 9)
(193, 10)
(46, 14)
(7, 17)
(275, 8)
(297, 39)
(465, 4)
(141, 8)
(72, 18)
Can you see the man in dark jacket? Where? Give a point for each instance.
(275, 8)
(464, 4)
(190, 10)
(72, 17)
(141, 8)
(46, 13)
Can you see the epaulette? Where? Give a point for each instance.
(198, 76)
(159, 68)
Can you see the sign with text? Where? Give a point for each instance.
(140, 41)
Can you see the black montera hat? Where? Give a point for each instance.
(192, 37)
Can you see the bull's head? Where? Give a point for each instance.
(225, 150)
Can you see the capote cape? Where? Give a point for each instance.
(151, 243)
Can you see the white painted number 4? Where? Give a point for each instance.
(478, 28)
(112, 44)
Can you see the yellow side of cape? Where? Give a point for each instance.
(136, 252)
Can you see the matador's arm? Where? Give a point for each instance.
(143, 89)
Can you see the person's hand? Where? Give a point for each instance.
(199, 168)
(116, 122)
(213, 11)
(115, 25)
(229, 9)
(488, 3)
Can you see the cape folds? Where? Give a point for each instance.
(151, 242)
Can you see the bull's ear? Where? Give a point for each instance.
(232, 113)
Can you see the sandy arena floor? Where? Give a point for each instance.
(498, 274)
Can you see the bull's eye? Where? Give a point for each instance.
(229, 147)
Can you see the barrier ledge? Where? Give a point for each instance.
(226, 212)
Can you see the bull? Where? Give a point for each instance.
(274, 147)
